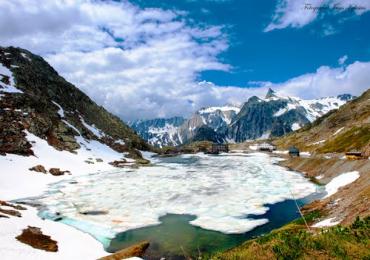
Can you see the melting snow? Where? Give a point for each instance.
(326, 223)
(340, 181)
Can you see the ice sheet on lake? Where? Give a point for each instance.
(220, 190)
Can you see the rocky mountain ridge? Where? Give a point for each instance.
(34, 99)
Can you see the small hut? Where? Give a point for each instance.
(217, 148)
(266, 147)
(294, 151)
(354, 155)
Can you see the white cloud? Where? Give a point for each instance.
(298, 13)
(145, 63)
(327, 81)
(342, 59)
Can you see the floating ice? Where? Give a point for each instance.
(221, 191)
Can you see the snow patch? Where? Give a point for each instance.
(97, 132)
(318, 142)
(338, 131)
(24, 55)
(296, 126)
(326, 223)
(60, 109)
(340, 181)
(4, 71)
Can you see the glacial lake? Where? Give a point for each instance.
(182, 205)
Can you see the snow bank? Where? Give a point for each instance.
(220, 190)
(16, 181)
(72, 244)
(340, 181)
(326, 223)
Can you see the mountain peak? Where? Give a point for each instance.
(270, 93)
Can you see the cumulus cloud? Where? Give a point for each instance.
(145, 63)
(327, 81)
(298, 13)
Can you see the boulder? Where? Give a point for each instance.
(136, 250)
(34, 237)
(57, 171)
(38, 168)
(119, 164)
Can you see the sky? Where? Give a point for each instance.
(144, 59)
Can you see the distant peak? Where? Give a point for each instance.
(345, 97)
(270, 93)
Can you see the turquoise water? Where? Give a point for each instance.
(175, 238)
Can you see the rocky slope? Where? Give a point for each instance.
(278, 115)
(35, 100)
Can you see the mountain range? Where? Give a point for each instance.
(258, 118)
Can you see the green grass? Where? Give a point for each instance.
(293, 241)
(354, 139)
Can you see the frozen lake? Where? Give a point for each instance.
(222, 196)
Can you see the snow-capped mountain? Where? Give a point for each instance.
(160, 132)
(276, 115)
(176, 131)
(259, 118)
(216, 118)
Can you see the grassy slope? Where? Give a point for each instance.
(293, 241)
(353, 118)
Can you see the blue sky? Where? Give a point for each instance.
(277, 55)
(144, 59)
